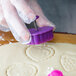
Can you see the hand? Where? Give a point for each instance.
(14, 13)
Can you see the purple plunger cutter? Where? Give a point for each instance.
(43, 34)
(40, 34)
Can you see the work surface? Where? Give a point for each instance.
(7, 37)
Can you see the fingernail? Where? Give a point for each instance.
(27, 19)
(27, 41)
(53, 25)
(23, 37)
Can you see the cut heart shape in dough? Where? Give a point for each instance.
(68, 62)
(39, 53)
(21, 69)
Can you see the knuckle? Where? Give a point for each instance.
(15, 1)
(1, 18)
(2, 21)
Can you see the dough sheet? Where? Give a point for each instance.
(37, 60)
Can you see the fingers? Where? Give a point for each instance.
(3, 23)
(16, 25)
(24, 11)
(2, 19)
(42, 21)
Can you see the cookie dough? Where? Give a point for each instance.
(21, 70)
(39, 53)
(37, 60)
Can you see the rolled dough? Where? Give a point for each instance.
(37, 60)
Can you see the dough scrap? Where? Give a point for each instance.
(39, 53)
